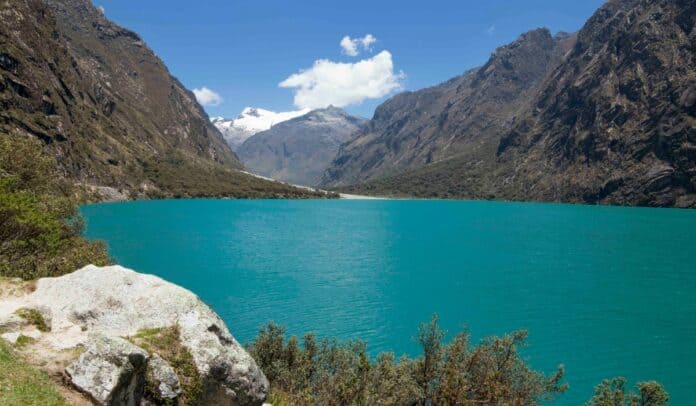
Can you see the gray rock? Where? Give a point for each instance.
(111, 371)
(12, 322)
(164, 378)
(118, 302)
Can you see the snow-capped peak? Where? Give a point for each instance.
(251, 121)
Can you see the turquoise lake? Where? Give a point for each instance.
(606, 291)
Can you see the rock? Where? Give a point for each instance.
(111, 371)
(164, 377)
(118, 302)
(12, 322)
(11, 337)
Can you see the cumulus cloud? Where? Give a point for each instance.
(207, 97)
(352, 46)
(341, 84)
(102, 9)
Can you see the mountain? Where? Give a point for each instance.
(107, 108)
(466, 113)
(250, 122)
(298, 151)
(614, 122)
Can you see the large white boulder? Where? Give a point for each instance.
(117, 302)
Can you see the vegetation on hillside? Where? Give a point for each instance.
(40, 226)
(329, 372)
(180, 176)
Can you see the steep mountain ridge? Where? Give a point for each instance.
(616, 122)
(103, 103)
(468, 112)
(299, 150)
(613, 123)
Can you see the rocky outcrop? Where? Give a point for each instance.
(299, 150)
(164, 378)
(111, 371)
(96, 308)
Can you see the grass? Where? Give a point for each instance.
(22, 384)
(23, 341)
(167, 344)
(34, 318)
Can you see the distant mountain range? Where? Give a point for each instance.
(249, 122)
(605, 116)
(99, 99)
(299, 150)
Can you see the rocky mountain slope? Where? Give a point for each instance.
(103, 103)
(466, 113)
(613, 123)
(616, 122)
(251, 121)
(298, 151)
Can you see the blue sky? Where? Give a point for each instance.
(243, 50)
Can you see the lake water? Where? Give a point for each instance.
(606, 291)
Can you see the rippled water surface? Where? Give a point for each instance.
(606, 291)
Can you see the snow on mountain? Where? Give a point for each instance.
(250, 122)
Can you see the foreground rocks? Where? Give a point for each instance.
(97, 314)
(111, 370)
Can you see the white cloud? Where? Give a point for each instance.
(102, 9)
(207, 97)
(351, 46)
(491, 29)
(367, 41)
(341, 84)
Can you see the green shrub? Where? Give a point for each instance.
(330, 372)
(612, 392)
(40, 226)
(34, 318)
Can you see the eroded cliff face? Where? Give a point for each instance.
(613, 122)
(616, 122)
(465, 114)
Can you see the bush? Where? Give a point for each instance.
(612, 392)
(457, 373)
(40, 226)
